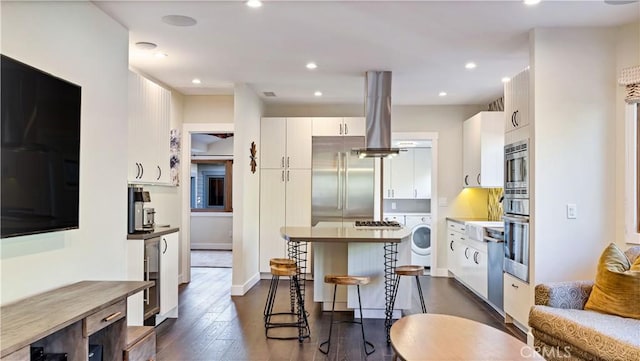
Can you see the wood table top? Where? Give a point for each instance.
(26, 321)
(345, 234)
(444, 337)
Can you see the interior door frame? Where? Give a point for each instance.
(185, 180)
(435, 221)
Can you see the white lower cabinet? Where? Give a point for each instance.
(285, 200)
(467, 259)
(517, 300)
(169, 244)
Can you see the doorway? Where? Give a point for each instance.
(207, 219)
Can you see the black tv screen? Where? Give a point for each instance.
(40, 158)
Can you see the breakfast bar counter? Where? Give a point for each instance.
(341, 248)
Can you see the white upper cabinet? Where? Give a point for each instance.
(272, 143)
(285, 143)
(422, 173)
(483, 150)
(516, 101)
(408, 175)
(337, 127)
(149, 107)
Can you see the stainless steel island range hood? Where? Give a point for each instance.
(378, 116)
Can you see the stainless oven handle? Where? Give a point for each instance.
(515, 219)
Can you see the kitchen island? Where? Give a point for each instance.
(340, 248)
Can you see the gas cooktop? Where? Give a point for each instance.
(377, 225)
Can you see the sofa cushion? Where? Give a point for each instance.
(633, 253)
(606, 336)
(636, 265)
(616, 289)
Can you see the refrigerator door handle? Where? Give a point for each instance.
(346, 179)
(340, 180)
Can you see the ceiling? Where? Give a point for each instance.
(424, 43)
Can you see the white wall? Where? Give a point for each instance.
(314, 110)
(77, 42)
(221, 147)
(248, 110)
(628, 54)
(208, 109)
(211, 230)
(574, 77)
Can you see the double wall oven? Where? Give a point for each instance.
(516, 209)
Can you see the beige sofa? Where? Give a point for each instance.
(564, 330)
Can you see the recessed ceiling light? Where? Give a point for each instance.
(531, 2)
(160, 55)
(145, 45)
(179, 20)
(318, 93)
(442, 94)
(254, 3)
(506, 79)
(196, 81)
(312, 65)
(470, 65)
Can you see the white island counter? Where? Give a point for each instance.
(340, 248)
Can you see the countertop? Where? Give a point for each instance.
(157, 232)
(344, 234)
(463, 220)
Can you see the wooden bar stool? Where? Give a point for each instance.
(286, 262)
(408, 270)
(347, 281)
(302, 323)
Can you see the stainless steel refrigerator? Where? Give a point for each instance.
(342, 184)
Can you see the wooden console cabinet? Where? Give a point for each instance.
(69, 319)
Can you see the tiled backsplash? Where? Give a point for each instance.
(494, 206)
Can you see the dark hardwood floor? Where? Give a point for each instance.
(212, 325)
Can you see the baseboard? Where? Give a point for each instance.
(212, 246)
(440, 272)
(241, 290)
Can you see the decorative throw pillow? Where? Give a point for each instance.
(633, 253)
(617, 289)
(636, 266)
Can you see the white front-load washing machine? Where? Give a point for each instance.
(420, 226)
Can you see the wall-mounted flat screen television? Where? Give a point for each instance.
(40, 158)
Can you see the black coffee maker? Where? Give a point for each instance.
(135, 209)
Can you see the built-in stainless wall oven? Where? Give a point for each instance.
(516, 209)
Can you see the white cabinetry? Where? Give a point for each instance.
(516, 102)
(455, 237)
(169, 244)
(518, 299)
(336, 127)
(285, 182)
(467, 259)
(483, 150)
(408, 175)
(148, 139)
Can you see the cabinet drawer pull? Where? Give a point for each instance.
(465, 253)
(287, 162)
(515, 118)
(111, 316)
(466, 180)
(340, 129)
(141, 170)
(451, 245)
(475, 257)
(478, 178)
(514, 286)
(159, 173)
(282, 161)
(346, 130)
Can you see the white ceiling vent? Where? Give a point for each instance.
(269, 94)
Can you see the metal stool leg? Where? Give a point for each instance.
(365, 343)
(268, 309)
(333, 306)
(303, 322)
(424, 309)
(392, 303)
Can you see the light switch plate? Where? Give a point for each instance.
(572, 211)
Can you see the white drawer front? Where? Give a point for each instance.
(517, 299)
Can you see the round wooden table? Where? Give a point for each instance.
(444, 337)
